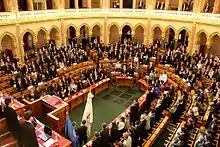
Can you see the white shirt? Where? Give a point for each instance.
(127, 142)
(163, 78)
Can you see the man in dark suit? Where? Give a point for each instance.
(28, 136)
(12, 119)
(98, 142)
(82, 133)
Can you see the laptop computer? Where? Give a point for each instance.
(46, 134)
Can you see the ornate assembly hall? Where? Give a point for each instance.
(109, 73)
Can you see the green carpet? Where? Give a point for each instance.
(107, 105)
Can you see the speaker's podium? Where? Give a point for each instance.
(53, 107)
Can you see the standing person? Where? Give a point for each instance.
(12, 119)
(28, 136)
(82, 133)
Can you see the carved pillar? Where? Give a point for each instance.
(7, 5)
(192, 40)
(89, 4)
(176, 37)
(148, 31)
(44, 4)
(134, 4)
(208, 47)
(63, 33)
(76, 4)
(150, 4)
(163, 38)
(167, 4)
(145, 38)
(60, 4)
(180, 5)
(196, 6)
(121, 4)
(216, 6)
(30, 5)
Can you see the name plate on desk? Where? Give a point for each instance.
(129, 77)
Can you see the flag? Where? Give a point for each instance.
(70, 132)
(88, 112)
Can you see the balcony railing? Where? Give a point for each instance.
(33, 16)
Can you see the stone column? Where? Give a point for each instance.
(76, 4)
(196, 6)
(145, 38)
(180, 5)
(63, 33)
(30, 5)
(121, 4)
(78, 35)
(208, 47)
(89, 4)
(148, 31)
(61, 4)
(150, 4)
(44, 4)
(216, 6)
(163, 38)
(192, 40)
(176, 37)
(134, 4)
(167, 4)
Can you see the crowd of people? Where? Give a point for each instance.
(68, 85)
(133, 128)
(47, 62)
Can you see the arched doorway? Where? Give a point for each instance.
(183, 37)
(54, 36)
(215, 46)
(127, 3)
(96, 33)
(41, 38)
(71, 35)
(169, 35)
(139, 34)
(157, 34)
(22, 5)
(84, 34)
(7, 44)
(126, 34)
(2, 6)
(201, 42)
(114, 34)
(173, 5)
(95, 3)
(28, 41)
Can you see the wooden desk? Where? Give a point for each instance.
(143, 85)
(81, 96)
(16, 105)
(57, 117)
(62, 142)
(157, 132)
(173, 137)
(124, 81)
